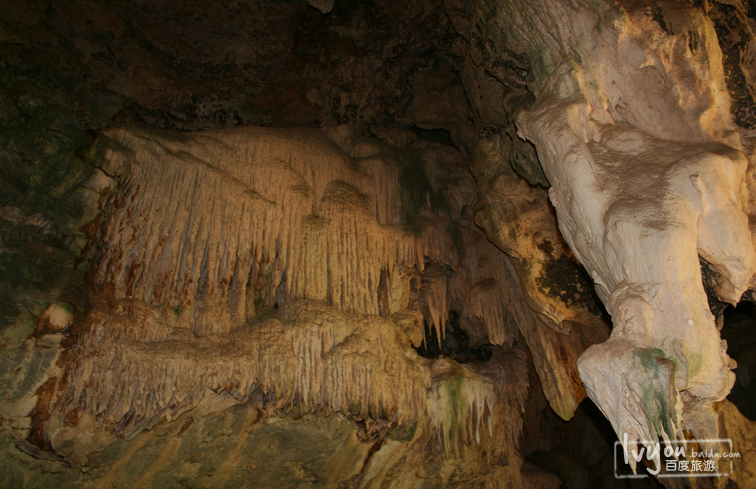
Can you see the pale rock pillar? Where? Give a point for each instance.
(633, 129)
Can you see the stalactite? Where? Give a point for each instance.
(646, 182)
(199, 233)
(314, 353)
(459, 402)
(210, 233)
(489, 276)
(216, 225)
(434, 295)
(322, 358)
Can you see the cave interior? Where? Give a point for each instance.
(376, 244)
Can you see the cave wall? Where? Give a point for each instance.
(234, 226)
(212, 287)
(234, 290)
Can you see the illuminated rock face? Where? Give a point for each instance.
(249, 298)
(269, 268)
(633, 130)
(639, 213)
(219, 226)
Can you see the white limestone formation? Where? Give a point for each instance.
(639, 211)
(633, 130)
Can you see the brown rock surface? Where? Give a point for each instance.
(372, 289)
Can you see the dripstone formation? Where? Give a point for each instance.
(375, 245)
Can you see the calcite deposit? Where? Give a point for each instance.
(323, 243)
(269, 267)
(645, 179)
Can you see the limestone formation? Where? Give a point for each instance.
(513, 210)
(324, 6)
(643, 179)
(517, 219)
(255, 265)
(323, 243)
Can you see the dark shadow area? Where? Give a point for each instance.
(738, 330)
(455, 345)
(437, 135)
(582, 452)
